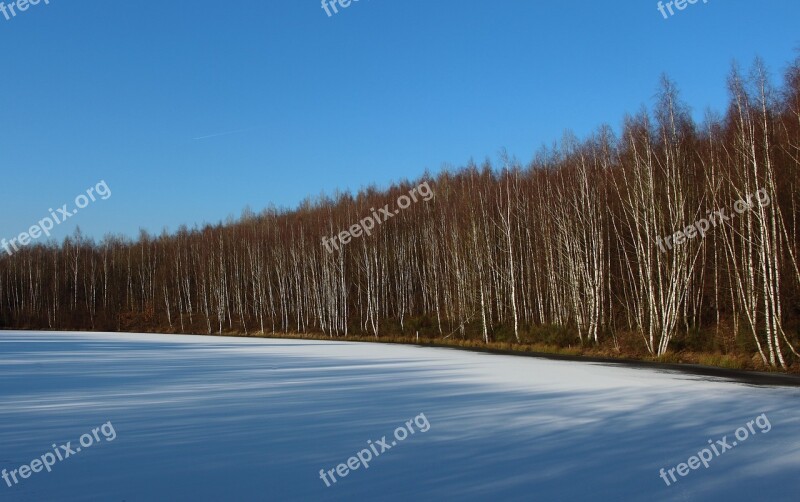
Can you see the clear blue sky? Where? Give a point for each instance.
(119, 90)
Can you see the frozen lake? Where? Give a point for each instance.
(204, 418)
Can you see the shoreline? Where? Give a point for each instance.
(755, 377)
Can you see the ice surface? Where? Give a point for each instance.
(207, 418)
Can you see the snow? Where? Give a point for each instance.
(208, 418)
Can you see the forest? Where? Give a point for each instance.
(563, 250)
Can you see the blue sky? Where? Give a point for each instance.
(119, 91)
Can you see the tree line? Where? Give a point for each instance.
(562, 248)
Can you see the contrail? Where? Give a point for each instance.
(222, 134)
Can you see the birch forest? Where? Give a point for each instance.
(561, 250)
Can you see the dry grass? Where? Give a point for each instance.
(726, 361)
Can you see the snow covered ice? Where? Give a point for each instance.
(208, 418)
